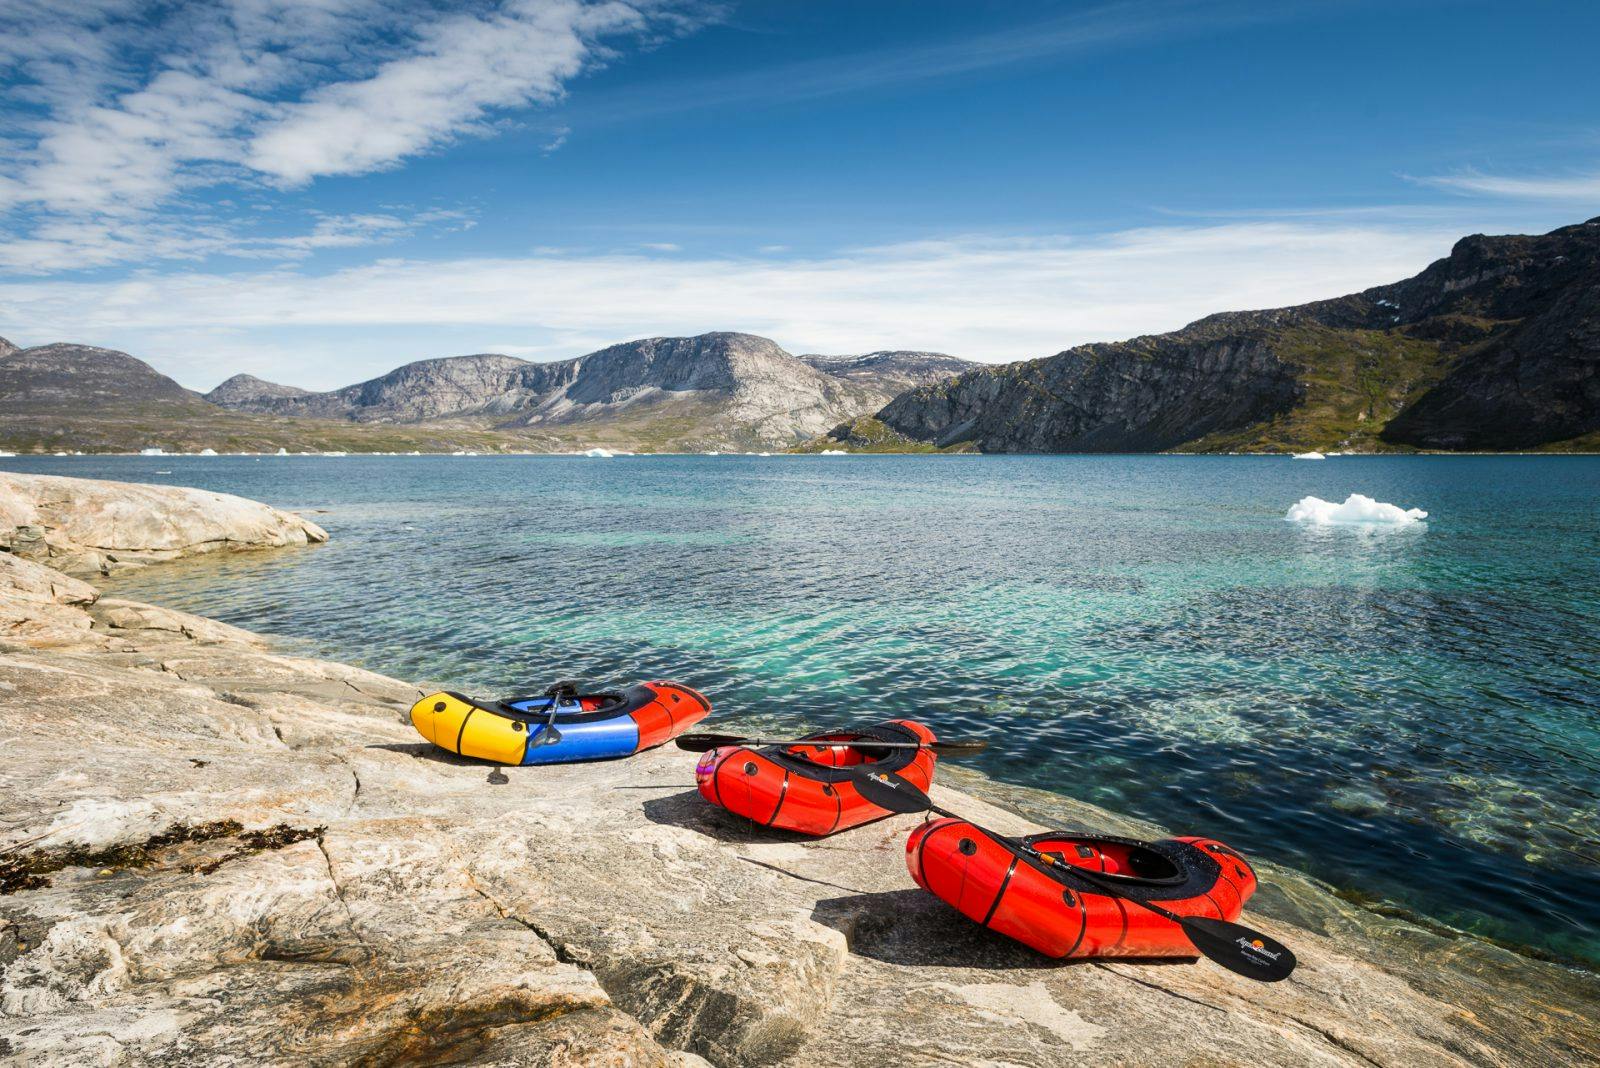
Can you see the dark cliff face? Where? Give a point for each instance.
(1527, 349)
(1148, 394)
(1496, 346)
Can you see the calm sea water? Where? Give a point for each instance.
(1412, 714)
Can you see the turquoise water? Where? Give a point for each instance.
(1412, 713)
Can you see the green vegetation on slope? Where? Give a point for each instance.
(189, 426)
(1355, 381)
(869, 434)
(192, 428)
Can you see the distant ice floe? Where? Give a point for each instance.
(1312, 455)
(833, 452)
(1357, 510)
(605, 453)
(206, 452)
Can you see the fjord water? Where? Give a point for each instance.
(1412, 713)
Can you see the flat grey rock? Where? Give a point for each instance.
(213, 853)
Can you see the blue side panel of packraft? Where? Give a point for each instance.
(597, 739)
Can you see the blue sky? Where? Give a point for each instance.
(318, 190)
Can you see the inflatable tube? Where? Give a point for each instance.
(807, 788)
(986, 882)
(591, 726)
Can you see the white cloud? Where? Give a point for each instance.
(1579, 187)
(116, 110)
(68, 243)
(459, 69)
(981, 297)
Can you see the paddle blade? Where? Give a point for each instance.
(1239, 949)
(704, 743)
(890, 791)
(958, 749)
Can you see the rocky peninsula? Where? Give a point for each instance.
(214, 853)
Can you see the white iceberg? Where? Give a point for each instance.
(600, 452)
(154, 450)
(833, 452)
(1357, 510)
(207, 452)
(1312, 455)
(281, 452)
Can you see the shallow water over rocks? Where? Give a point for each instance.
(1408, 712)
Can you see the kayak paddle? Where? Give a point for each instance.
(550, 736)
(704, 743)
(1232, 945)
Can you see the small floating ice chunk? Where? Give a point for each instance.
(1357, 510)
(206, 452)
(605, 453)
(834, 452)
(1312, 455)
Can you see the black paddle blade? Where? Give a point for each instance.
(704, 743)
(889, 791)
(1239, 949)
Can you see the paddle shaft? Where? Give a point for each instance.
(839, 745)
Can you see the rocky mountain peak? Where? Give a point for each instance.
(63, 371)
(902, 367)
(6, 348)
(240, 390)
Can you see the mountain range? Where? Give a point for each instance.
(721, 390)
(1494, 347)
(714, 391)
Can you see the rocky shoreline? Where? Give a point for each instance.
(216, 853)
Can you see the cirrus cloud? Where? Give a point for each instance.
(1578, 187)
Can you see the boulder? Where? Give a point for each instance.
(87, 526)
